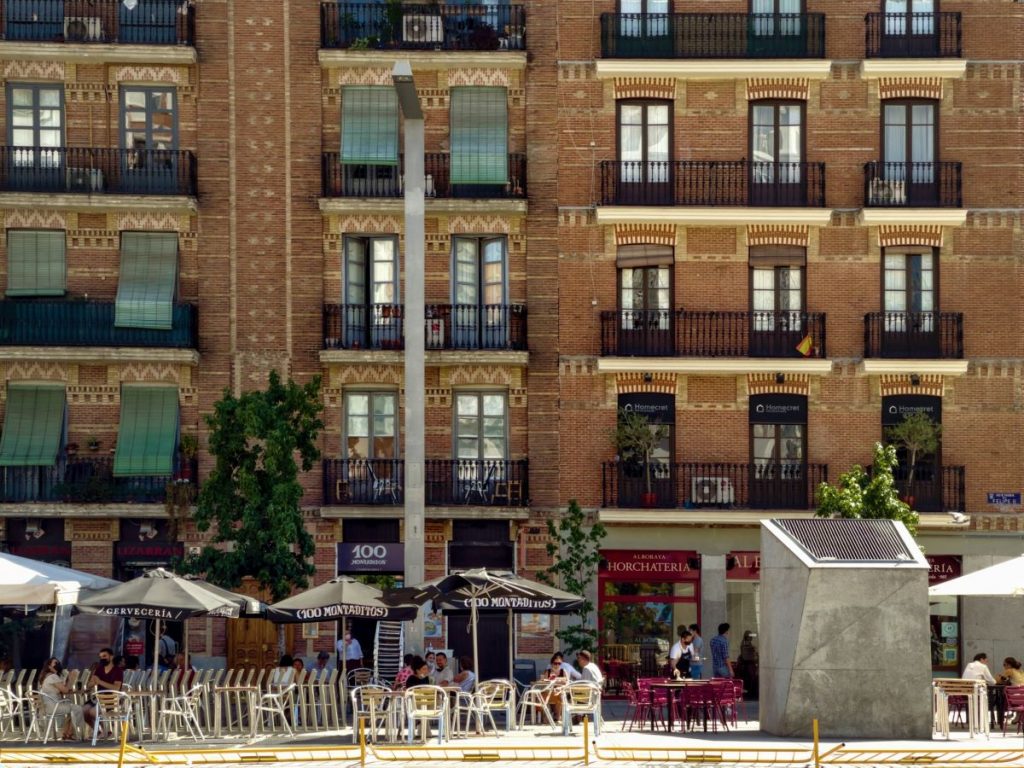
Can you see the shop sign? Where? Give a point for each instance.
(1004, 499)
(657, 408)
(648, 564)
(743, 566)
(943, 568)
(146, 541)
(38, 539)
(369, 557)
(895, 408)
(778, 409)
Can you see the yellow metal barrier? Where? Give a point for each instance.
(198, 756)
(945, 756)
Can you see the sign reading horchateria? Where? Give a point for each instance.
(662, 564)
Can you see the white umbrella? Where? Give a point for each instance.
(31, 582)
(1000, 580)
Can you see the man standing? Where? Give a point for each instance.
(681, 655)
(106, 677)
(696, 653)
(720, 664)
(352, 650)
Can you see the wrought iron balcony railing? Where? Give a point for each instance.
(712, 36)
(97, 171)
(914, 335)
(935, 488)
(913, 35)
(347, 180)
(912, 185)
(712, 183)
(433, 27)
(88, 323)
(718, 485)
(448, 326)
(149, 22)
(88, 479)
(448, 482)
(685, 333)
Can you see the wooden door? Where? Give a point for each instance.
(254, 643)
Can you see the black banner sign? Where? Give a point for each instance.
(778, 409)
(657, 408)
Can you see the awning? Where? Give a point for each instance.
(369, 125)
(33, 425)
(147, 280)
(148, 434)
(479, 135)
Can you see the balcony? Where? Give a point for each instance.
(712, 36)
(697, 485)
(935, 488)
(448, 326)
(712, 183)
(912, 36)
(914, 335)
(448, 482)
(683, 333)
(94, 171)
(153, 22)
(81, 479)
(379, 26)
(912, 185)
(87, 323)
(386, 180)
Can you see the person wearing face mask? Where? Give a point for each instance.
(53, 687)
(106, 676)
(352, 650)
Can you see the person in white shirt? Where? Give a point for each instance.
(681, 655)
(589, 671)
(570, 671)
(443, 672)
(978, 669)
(352, 650)
(466, 679)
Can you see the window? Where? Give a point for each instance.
(372, 316)
(909, 291)
(778, 449)
(148, 280)
(369, 141)
(776, 297)
(479, 135)
(481, 426)
(644, 18)
(35, 262)
(34, 424)
(371, 427)
(645, 297)
(644, 141)
(35, 125)
(776, 135)
(909, 17)
(147, 437)
(149, 130)
(909, 135)
(772, 17)
(480, 312)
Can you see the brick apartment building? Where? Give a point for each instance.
(773, 229)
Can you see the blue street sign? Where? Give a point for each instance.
(1004, 499)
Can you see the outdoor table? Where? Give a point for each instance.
(973, 691)
(670, 687)
(140, 700)
(222, 696)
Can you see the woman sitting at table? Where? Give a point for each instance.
(466, 678)
(1012, 673)
(557, 672)
(54, 688)
(420, 673)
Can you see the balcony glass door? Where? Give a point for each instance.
(776, 323)
(645, 28)
(644, 153)
(778, 452)
(925, 482)
(480, 312)
(371, 447)
(149, 137)
(910, 325)
(910, 28)
(151, 23)
(645, 299)
(777, 28)
(908, 154)
(373, 317)
(481, 445)
(776, 134)
(35, 133)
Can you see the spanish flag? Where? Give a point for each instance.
(805, 346)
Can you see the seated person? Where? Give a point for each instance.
(443, 673)
(466, 679)
(105, 677)
(557, 672)
(54, 688)
(420, 673)
(405, 672)
(1012, 673)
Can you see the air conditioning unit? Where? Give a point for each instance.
(885, 192)
(421, 28)
(83, 29)
(85, 180)
(434, 336)
(712, 490)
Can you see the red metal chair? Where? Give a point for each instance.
(724, 692)
(1014, 704)
(659, 700)
(702, 703)
(737, 690)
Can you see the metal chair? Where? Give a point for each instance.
(383, 486)
(581, 699)
(11, 711)
(535, 699)
(425, 703)
(46, 708)
(184, 708)
(370, 701)
(113, 708)
(276, 704)
(491, 696)
(481, 486)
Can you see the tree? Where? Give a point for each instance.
(863, 495)
(575, 548)
(919, 436)
(635, 439)
(251, 497)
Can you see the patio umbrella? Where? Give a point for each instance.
(31, 582)
(999, 580)
(490, 591)
(249, 607)
(163, 596)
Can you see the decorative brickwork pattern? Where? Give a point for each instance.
(162, 222)
(93, 394)
(636, 234)
(363, 76)
(479, 225)
(910, 88)
(907, 234)
(33, 70)
(35, 219)
(765, 384)
(353, 225)
(35, 371)
(645, 88)
(341, 376)
(631, 382)
(781, 88)
(438, 397)
(472, 375)
(145, 74)
(479, 76)
(899, 384)
(770, 234)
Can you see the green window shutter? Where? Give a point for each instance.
(147, 281)
(369, 125)
(479, 135)
(35, 263)
(33, 425)
(148, 434)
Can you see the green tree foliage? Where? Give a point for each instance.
(919, 436)
(575, 546)
(251, 498)
(860, 495)
(635, 439)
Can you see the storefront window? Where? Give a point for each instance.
(944, 616)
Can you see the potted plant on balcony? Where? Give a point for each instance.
(635, 439)
(93, 442)
(188, 447)
(919, 437)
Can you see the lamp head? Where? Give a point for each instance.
(401, 76)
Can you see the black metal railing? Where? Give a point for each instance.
(448, 326)
(88, 323)
(685, 333)
(348, 180)
(935, 488)
(712, 36)
(469, 27)
(97, 171)
(913, 35)
(913, 185)
(914, 335)
(448, 482)
(712, 183)
(88, 479)
(720, 485)
(148, 22)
